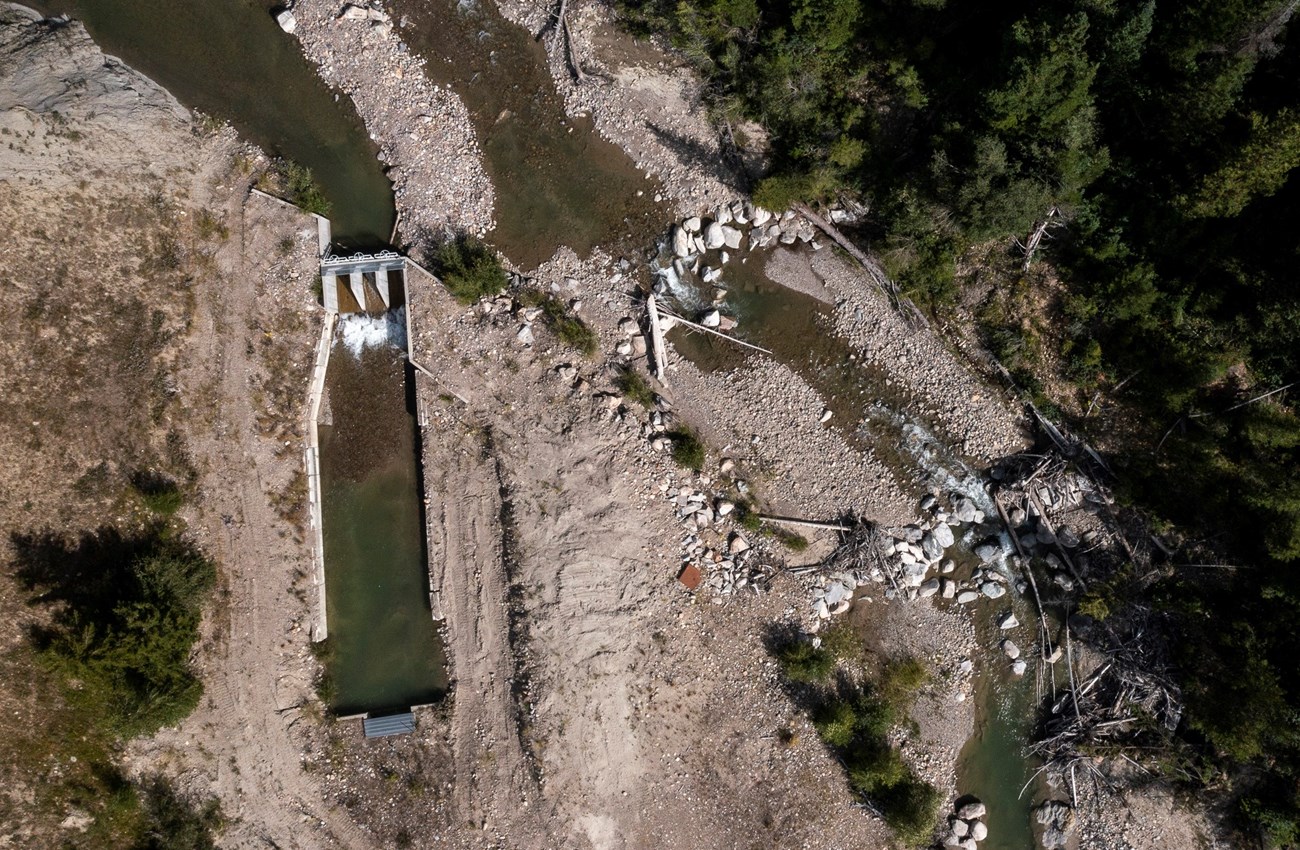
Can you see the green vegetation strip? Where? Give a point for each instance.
(853, 716)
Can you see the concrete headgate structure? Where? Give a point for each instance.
(364, 275)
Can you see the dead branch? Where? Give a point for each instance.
(902, 304)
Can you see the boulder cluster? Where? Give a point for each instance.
(1057, 821)
(912, 552)
(966, 828)
(723, 555)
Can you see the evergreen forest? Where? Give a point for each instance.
(1124, 175)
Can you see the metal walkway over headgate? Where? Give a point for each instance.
(362, 282)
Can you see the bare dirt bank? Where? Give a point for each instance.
(160, 320)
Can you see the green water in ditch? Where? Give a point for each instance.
(384, 650)
(229, 58)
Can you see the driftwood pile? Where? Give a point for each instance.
(1117, 710)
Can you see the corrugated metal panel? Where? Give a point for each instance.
(394, 724)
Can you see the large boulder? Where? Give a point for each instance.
(681, 242)
(714, 237)
(963, 509)
(731, 237)
(992, 589)
(979, 831)
(931, 546)
(1010, 648)
(943, 534)
(974, 810)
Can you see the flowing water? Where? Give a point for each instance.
(557, 181)
(993, 765)
(230, 59)
(385, 651)
(875, 415)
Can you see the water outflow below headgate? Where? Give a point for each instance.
(384, 649)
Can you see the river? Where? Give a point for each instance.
(229, 59)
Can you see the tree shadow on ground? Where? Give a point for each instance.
(722, 165)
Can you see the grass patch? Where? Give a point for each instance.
(688, 451)
(803, 662)
(571, 330)
(633, 386)
(468, 268)
(161, 495)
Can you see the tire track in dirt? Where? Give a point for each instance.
(494, 787)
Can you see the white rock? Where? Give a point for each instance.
(928, 588)
(1018, 667)
(972, 811)
(711, 319)
(525, 335)
(627, 325)
(992, 589)
(287, 21)
(967, 596)
(826, 416)
(731, 237)
(624, 348)
(714, 238)
(724, 507)
(692, 224)
(681, 242)
(1008, 621)
(820, 609)
(737, 544)
(979, 831)
(761, 216)
(722, 215)
(1010, 648)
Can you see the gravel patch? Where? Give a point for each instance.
(423, 130)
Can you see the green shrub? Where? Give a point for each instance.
(633, 386)
(127, 628)
(835, 722)
(688, 451)
(302, 188)
(468, 268)
(802, 662)
(571, 330)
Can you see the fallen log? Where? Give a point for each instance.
(901, 303)
(700, 327)
(806, 523)
(657, 340)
